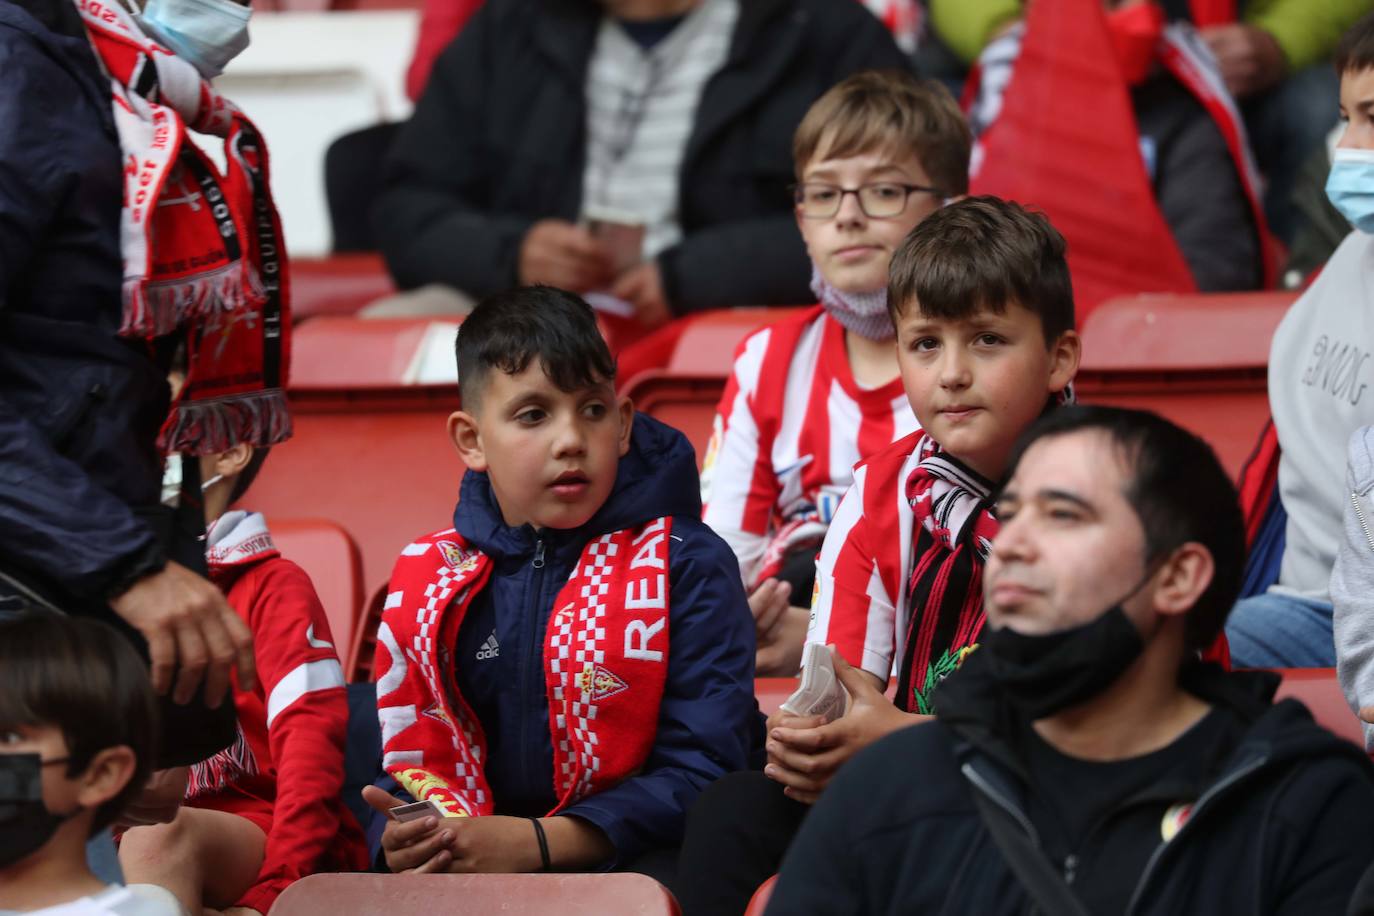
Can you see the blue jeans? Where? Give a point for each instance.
(103, 859)
(1277, 630)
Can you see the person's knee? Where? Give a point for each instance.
(161, 846)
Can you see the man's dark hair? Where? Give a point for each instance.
(508, 330)
(86, 679)
(981, 253)
(1180, 493)
(1355, 52)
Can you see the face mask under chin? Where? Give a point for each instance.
(1044, 674)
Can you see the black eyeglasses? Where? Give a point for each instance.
(880, 200)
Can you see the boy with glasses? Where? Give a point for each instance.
(813, 395)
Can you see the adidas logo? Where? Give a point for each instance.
(490, 649)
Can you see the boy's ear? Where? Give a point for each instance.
(233, 461)
(626, 408)
(1065, 354)
(467, 439)
(106, 776)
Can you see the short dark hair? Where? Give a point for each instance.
(508, 330)
(1179, 491)
(981, 253)
(249, 473)
(889, 111)
(83, 677)
(1355, 51)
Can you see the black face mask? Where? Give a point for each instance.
(1042, 675)
(25, 822)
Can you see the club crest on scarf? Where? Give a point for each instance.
(203, 252)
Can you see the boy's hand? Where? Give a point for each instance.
(1250, 59)
(421, 845)
(804, 755)
(561, 254)
(780, 629)
(642, 287)
(1367, 714)
(191, 629)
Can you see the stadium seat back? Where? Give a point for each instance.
(337, 285)
(358, 665)
(1200, 360)
(758, 903)
(331, 558)
(513, 895)
(1320, 692)
(685, 402)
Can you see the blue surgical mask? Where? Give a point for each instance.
(205, 33)
(1350, 186)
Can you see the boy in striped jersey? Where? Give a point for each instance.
(981, 299)
(983, 305)
(812, 395)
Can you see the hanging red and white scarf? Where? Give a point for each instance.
(605, 666)
(203, 252)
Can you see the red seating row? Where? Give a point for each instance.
(371, 453)
(1201, 360)
(516, 895)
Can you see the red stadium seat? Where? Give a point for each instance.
(1200, 360)
(685, 391)
(337, 352)
(358, 664)
(1320, 692)
(514, 895)
(337, 285)
(370, 451)
(327, 553)
(759, 902)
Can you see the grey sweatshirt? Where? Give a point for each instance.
(1352, 580)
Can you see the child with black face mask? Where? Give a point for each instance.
(77, 726)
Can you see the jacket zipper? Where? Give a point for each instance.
(1364, 523)
(1207, 797)
(1070, 867)
(1006, 804)
(532, 657)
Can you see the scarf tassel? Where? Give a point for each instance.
(260, 418)
(155, 309)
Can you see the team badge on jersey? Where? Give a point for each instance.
(1174, 819)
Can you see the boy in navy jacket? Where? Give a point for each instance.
(565, 669)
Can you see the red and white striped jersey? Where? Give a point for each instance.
(860, 601)
(790, 427)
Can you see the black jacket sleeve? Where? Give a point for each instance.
(54, 519)
(1199, 190)
(431, 219)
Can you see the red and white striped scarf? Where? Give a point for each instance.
(952, 505)
(203, 252)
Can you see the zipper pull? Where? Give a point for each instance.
(1070, 868)
(538, 554)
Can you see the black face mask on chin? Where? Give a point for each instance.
(25, 821)
(1046, 674)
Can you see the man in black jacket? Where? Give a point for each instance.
(486, 184)
(1082, 760)
(81, 526)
